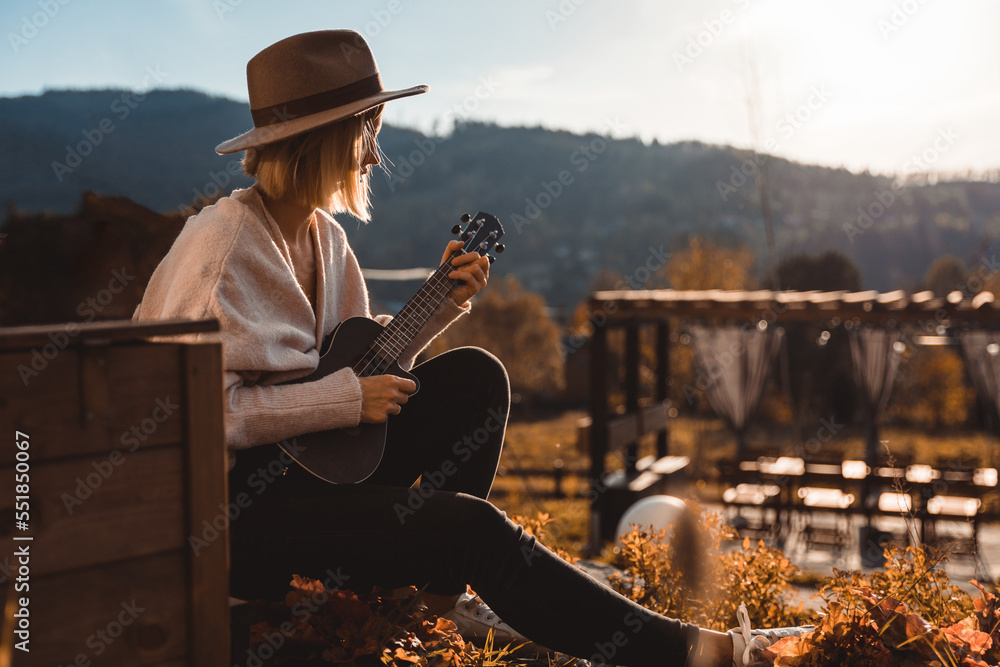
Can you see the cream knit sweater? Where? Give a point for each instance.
(230, 262)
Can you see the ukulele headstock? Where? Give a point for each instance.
(482, 234)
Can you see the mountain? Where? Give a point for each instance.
(574, 206)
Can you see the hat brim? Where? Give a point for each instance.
(278, 131)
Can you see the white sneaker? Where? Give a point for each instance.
(475, 620)
(748, 644)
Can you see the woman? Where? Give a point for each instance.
(277, 272)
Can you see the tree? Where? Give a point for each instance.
(704, 265)
(829, 272)
(945, 275)
(512, 324)
(992, 284)
(931, 391)
(822, 381)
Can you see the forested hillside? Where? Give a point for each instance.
(573, 205)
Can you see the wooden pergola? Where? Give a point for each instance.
(870, 307)
(618, 428)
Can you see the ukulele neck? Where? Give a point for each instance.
(411, 319)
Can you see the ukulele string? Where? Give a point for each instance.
(384, 344)
(410, 320)
(389, 346)
(386, 349)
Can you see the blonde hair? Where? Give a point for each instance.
(320, 168)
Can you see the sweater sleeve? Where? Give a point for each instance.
(259, 414)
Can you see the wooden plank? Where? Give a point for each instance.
(86, 511)
(622, 431)
(126, 613)
(642, 481)
(75, 333)
(653, 418)
(206, 474)
(668, 465)
(92, 386)
(140, 407)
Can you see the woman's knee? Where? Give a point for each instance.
(482, 522)
(479, 360)
(485, 367)
(495, 550)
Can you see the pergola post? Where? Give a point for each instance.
(662, 381)
(871, 459)
(632, 357)
(598, 431)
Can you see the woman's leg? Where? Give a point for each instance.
(451, 431)
(358, 535)
(449, 434)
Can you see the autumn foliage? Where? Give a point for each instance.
(705, 265)
(931, 391)
(661, 575)
(318, 625)
(909, 614)
(886, 632)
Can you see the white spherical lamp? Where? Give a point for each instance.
(656, 511)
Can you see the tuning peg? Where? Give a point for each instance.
(491, 258)
(457, 229)
(466, 236)
(500, 247)
(466, 217)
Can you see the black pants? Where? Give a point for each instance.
(442, 534)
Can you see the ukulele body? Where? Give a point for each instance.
(345, 456)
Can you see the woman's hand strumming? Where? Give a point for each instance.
(383, 396)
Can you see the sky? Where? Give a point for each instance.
(892, 86)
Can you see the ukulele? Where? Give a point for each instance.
(348, 456)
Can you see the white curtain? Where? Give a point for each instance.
(876, 359)
(733, 363)
(982, 357)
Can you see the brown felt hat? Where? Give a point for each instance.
(309, 80)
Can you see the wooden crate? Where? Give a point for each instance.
(127, 464)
